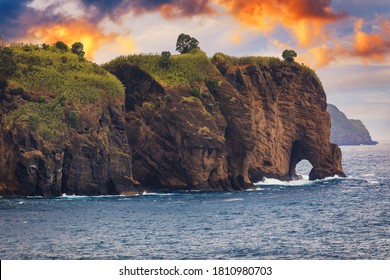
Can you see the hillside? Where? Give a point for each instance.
(344, 131)
(62, 127)
(183, 122)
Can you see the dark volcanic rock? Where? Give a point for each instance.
(344, 131)
(239, 125)
(93, 159)
(259, 122)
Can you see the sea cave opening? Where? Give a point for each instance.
(303, 168)
(300, 165)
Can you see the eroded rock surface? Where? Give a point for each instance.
(236, 127)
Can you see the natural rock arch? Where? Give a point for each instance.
(298, 153)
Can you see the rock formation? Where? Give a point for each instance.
(242, 123)
(344, 131)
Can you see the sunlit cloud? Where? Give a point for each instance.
(305, 19)
(72, 31)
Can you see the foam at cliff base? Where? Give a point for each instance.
(301, 182)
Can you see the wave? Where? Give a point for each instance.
(301, 182)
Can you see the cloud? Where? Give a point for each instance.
(372, 47)
(70, 31)
(10, 26)
(182, 8)
(305, 19)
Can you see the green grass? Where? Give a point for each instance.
(42, 118)
(260, 61)
(246, 60)
(53, 72)
(53, 78)
(183, 69)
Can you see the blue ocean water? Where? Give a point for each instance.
(335, 218)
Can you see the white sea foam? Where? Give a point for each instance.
(301, 182)
(232, 199)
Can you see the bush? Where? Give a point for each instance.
(72, 118)
(289, 55)
(61, 46)
(164, 61)
(78, 49)
(195, 92)
(7, 63)
(212, 85)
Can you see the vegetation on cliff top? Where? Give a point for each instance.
(56, 83)
(180, 70)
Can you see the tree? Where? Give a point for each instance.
(7, 66)
(289, 55)
(61, 45)
(164, 60)
(7, 63)
(185, 43)
(78, 48)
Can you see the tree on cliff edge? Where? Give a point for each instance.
(78, 48)
(185, 43)
(289, 55)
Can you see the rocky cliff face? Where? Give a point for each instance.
(92, 159)
(255, 122)
(344, 131)
(225, 132)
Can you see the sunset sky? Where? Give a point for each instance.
(347, 42)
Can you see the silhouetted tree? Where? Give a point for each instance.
(78, 48)
(7, 66)
(289, 55)
(185, 43)
(61, 45)
(164, 61)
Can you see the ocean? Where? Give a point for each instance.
(334, 218)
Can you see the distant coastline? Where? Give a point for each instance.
(347, 132)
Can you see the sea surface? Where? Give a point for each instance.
(335, 218)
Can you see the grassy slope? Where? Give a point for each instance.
(183, 69)
(53, 80)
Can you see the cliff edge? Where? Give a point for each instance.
(68, 126)
(344, 131)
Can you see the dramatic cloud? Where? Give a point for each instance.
(77, 30)
(305, 19)
(372, 46)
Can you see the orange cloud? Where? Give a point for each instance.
(305, 19)
(74, 31)
(189, 8)
(371, 46)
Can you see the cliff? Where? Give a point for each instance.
(191, 124)
(344, 131)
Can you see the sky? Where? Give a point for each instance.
(347, 42)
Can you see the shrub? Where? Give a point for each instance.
(212, 85)
(78, 49)
(72, 118)
(164, 61)
(61, 46)
(195, 92)
(7, 63)
(289, 55)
